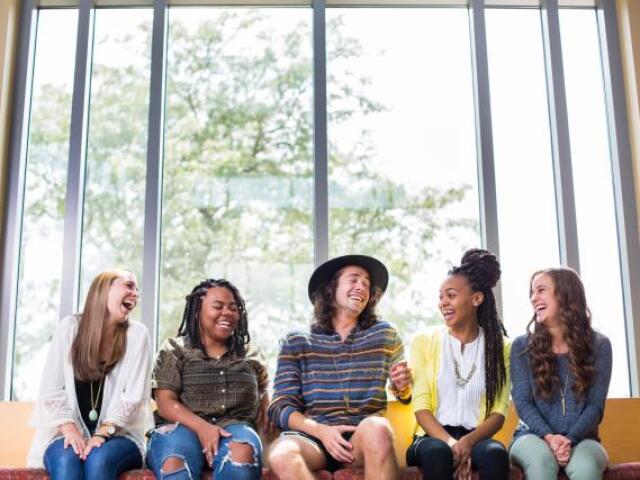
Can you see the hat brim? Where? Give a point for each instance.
(378, 273)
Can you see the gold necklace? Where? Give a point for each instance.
(93, 413)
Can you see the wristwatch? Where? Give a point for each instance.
(109, 430)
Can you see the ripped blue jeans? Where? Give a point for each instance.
(182, 443)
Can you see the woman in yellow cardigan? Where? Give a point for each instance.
(461, 378)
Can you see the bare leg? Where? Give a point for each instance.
(293, 458)
(373, 447)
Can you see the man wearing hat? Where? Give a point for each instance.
(329, 390)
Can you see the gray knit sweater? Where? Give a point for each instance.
(541, 417)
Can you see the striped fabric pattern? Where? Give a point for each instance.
(331, 381)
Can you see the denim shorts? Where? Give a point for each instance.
(175, 440)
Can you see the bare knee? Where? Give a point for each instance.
(377, 435)
(172, 464)
(241, 452)
(284, 458)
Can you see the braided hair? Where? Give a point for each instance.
(190, 326)
(482, 271)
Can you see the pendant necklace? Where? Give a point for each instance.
(93, 413)
(563, 395)
(460, 380)
(345, 391)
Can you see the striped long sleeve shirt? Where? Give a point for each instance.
(332, 381)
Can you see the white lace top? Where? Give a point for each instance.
(126, 396)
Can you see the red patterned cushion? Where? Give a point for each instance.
(623, 471)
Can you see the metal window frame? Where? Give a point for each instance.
(489, 228)
(14, 205)
(623, 187)
(625, 199)
(320, 140)
(559, 134)
(76, 170)
(155, 154)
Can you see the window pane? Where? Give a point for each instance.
(402, 167)
(593, 185)
(238, 186)
(524, 176)
(117, 144)
(46, 180)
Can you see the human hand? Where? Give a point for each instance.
(94, 442)
(209, 436)
(560, 446)
(337, 446)
(400, 375)
(462, 453)
(463, 470)
(73, 438)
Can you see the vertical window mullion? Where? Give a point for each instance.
(76, 173)
(15, 185)
(623, 188)
(559, 130)
(320, 157)
(153, 189)
(484, 133)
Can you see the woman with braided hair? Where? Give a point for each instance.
(461, 378)
(561, 372)
(210, 388)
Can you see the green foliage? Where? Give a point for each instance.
(238, 171)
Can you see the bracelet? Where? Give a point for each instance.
(104, 437)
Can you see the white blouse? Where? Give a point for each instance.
(126, 395)
(460, 405)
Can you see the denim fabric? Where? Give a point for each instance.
(180, 442)
(115, 456)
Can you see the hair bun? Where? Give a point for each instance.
(482, 265)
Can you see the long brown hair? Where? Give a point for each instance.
(575, 324)
(85, 350)
(324, 307)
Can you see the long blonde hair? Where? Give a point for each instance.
(85, 350)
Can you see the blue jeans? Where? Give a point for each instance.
(180, 442)
(117, 455)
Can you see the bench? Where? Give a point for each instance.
(619, 432)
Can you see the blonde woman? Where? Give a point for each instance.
(93, 406)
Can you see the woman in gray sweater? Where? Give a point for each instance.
(560, 372)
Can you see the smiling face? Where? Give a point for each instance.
(458, 303)
(219, 314)
(353, 289)
(546, 307)
(122, 297)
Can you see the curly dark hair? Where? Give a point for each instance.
(190, 326)
(324, 307)
(482, 271)
(575, 324)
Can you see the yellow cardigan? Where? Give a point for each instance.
(426, 354)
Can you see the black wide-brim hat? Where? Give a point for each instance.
(378, 273)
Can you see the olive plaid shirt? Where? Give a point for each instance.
(221, 391)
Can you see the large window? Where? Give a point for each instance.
(248, 191)
(45, 187)
(238, 187)
(402, 156)
(524, 170)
